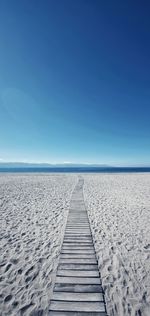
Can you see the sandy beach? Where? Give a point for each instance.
(119, 211)
(33, 213)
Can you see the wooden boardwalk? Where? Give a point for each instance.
(77, 289)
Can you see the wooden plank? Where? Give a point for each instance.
(77, 306)
(78, 273)
(89, 267)
(78, 231)
(78, 241)
(75, 246)
(79, 288)
(78, 251)
(80, 248)
(79, 219)
(77, 238)
(77, 280)
(84, 297)
(79, 224)
(78, 261)
(78, 255)
(86, 223)
(78, 244)
(77, 235)
(74, 222)
(78, 209)
(77, 227)
(78, 214)
(66, 313)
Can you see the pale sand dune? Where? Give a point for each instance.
(33, 211)
(119, 211)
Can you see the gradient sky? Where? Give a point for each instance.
(75, 81)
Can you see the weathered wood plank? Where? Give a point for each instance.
(84, 297)
(77, 280)
(78, 231)
(77, 235)
(78, 215)
(78, 306)
(61, 313)
(78, 243)
(78, 255)
(78, 261)
(75, 245)
(78, 228)
(77, 238)
(83, 223)
(79, 288)
(78, 273)
(66, 266)
(79, 251)
(79, 224)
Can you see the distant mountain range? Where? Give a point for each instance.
(48, 165)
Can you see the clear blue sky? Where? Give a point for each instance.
(75, 81)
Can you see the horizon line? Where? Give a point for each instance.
(82, 164)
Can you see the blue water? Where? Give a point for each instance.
(76, 169)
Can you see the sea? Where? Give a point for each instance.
(75, 170)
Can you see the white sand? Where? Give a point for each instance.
(119, 210)
(33, 211)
